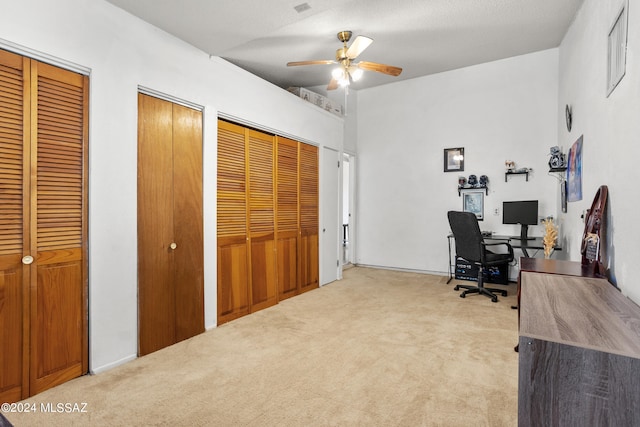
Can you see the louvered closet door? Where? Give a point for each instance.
(58, 285)
(309, 222)
(14, 208)
(43, 234)
(261, 220)
(233, 254)
(287, 222)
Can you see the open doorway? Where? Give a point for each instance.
(348, 208)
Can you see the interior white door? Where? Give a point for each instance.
(330, 228)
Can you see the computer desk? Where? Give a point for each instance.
(536, 244)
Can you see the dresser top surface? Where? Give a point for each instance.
(585, 312)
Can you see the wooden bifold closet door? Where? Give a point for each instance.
(233, 235)
(288, 217)
(247, 278)
(43, 226)
(170, 240)
(267, 219)
(309, 220)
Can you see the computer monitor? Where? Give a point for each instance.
(524, 212)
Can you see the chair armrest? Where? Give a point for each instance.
(506, 244)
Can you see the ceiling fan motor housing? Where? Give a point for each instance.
(344, 36)
(341, 54)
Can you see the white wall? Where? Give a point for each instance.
(610, 126)
(123, 53)
(501, 110)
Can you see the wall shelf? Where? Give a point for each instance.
(463, 188)
(506, 174)
(563, 169)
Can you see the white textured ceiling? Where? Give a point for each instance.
(421, 36)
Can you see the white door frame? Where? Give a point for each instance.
(348, 207)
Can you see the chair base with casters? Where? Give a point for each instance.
(480, 289)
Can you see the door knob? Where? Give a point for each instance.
(173, 245)
(28, 259)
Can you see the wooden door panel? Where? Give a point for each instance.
(14, 207)
(309, 217)
(156, 300)
(264, 286)
(58, 277)
(261, 169)
(188, 277)
(232, 231)
(56, 333)
(262, 220)
(287, 185)
(232, 181)
(287, 218)
(287, 253)
(11, 328)
(309, 262)
(233, 276)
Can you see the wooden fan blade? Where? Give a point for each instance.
(319, 62)
(380, 68)
(333, 85)
(358, 46)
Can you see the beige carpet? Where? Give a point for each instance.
(379, 348)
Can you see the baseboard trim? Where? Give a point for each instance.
(408, 270)
(108, 366)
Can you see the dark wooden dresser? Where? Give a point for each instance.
(579, 353)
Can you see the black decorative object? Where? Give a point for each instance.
(557, 160)
(568, 117)
(473, 183)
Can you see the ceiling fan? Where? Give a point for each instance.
(350, 71)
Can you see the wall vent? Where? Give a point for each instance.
(617, 51)
(302, 7)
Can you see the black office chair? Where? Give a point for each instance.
(471, 246)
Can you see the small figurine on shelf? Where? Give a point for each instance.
(462, 181)
(510, 165)
(484, 180)
(557, 160)
(472, 180)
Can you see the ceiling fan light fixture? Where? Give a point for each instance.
(356, 73)
(341, 75)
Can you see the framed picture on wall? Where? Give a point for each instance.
(473, 201)
(453, 159)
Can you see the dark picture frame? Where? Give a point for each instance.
(454, 159)
(473, 201)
